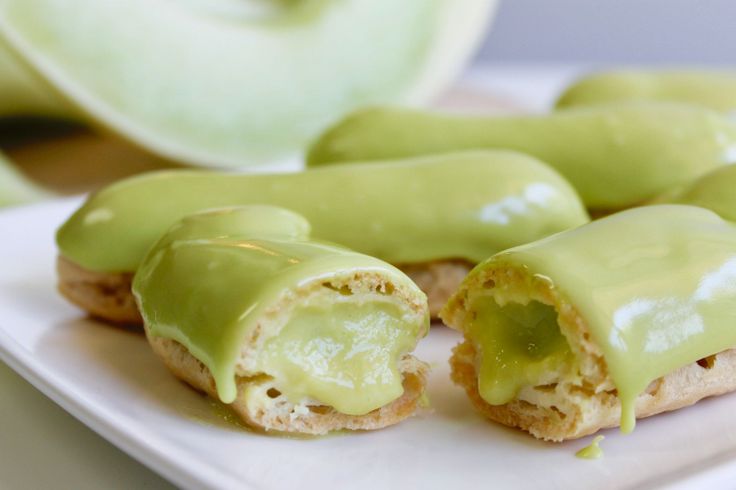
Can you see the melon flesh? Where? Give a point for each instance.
(23, 93)
(228, 82)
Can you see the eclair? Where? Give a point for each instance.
(622, 318)
(715, 190)
(434, 217)
(617, 156)
(715, 89)
(294, 334)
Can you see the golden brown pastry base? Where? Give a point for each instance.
(282, 416)
(102, 295)
(681, 388)
(108, 296)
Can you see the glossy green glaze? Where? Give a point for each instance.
(593, 450)
(713, 89)
(715, 190)
(615, 156)
(208, 282)
(656, 287)
(459, 206)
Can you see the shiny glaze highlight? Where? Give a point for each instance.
(712, 89)
(616, 156)
(455, 206)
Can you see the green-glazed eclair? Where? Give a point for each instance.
(625, 317)
(715, 190)
(432, 216)
(297, 335)
(616, 156)
(713, 89)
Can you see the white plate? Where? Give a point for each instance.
(109, 379)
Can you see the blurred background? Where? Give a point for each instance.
(534, 48)
(604, 32)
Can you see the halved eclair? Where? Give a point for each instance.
(296, 335)
(619, 319)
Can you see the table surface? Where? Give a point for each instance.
(42, 446)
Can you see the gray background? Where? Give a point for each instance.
(613, 32)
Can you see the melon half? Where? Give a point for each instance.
(228, 82)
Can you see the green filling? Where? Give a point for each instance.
(518, 345)
(343, 355)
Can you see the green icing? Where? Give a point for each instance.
(715, 190)
(615, 156)
(712, 89)
(655, 285)
(592, 451)
(455, 206)
(518, 345)
(208, 282)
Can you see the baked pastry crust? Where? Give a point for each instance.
(278, 414)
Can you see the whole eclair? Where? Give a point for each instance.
(616, 155)
(433, 217)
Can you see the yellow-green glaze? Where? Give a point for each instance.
(592, 451)
(615, 156)
(656, 287)
(208, 282)
(459, 206)
(518, 344)
(715, 190)
(713, 89)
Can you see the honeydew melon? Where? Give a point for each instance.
(23, 93)
(228, 82)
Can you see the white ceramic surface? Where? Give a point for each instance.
(109, 379)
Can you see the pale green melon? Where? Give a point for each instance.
(228, 82)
